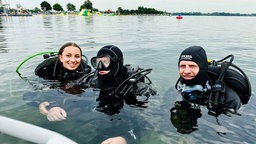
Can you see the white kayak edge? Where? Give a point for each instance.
(31, 133)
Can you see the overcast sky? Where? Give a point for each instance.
(233, 6)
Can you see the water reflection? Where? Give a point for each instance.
(195, 120)
(47, 21)
(184, 118)
(109, 106)
(3, 41)
(112, 104)
(88, 20)
(69, 96)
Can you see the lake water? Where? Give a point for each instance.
(148, 41)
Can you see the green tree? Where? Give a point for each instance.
(71, 7)
(82, 7)
(88, 4)
(94, 9)
(120, 10)
(45, 6)
(57, 7)
(142, 10)
(35, 10)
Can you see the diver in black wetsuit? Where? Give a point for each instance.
(219, 88)
(118, 82)
(212, 84)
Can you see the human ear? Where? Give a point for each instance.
(60, 57)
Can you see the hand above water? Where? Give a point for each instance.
(54, 114)
(115, 140)
(42, 107)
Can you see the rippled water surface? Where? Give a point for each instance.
(148, 41)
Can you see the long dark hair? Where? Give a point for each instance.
(67, 45)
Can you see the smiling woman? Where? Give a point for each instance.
(68, 65)
(70, 55)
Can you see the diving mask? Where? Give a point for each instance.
(193, 92)
(100, 62)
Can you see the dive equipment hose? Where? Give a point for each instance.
(37, 54)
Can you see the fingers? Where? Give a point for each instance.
(42, 108)
(115, 140)
(56, 114)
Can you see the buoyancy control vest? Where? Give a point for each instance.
(233, 77)
(137, 82)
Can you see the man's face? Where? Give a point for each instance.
(188, 69)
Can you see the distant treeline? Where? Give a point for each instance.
(143, 10)
(140, 11)
(47, 8)
(211, 14)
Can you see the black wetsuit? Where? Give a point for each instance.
(52, 69)
(131, 83)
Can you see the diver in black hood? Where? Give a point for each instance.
(213, 83)
(116, 81)
(109, 65)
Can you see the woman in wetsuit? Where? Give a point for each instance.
(65, 67)
(68, 65)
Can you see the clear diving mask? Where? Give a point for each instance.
(193, 93)
(101, 62)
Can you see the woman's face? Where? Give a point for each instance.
(188, 69)
(71, 57)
